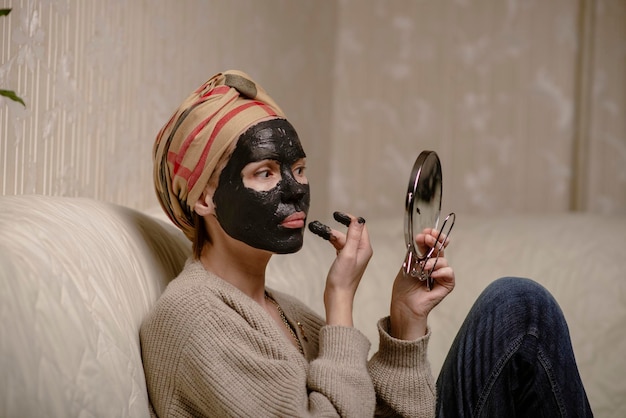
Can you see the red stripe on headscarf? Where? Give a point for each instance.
(192, 135)
(197, 171)
(216, 90)
(183, 171)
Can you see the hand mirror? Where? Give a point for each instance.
(423, 207)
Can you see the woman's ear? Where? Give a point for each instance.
(204, 205)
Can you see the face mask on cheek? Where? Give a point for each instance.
(255, 217)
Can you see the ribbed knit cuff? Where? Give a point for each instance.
(401, 353)
(344, 344)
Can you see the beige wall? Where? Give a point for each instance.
(495, 87)
(603, 135)
(525, 101)
(100, 78)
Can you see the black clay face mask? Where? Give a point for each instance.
(262, 197)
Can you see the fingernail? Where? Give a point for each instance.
(361, 220)
(342, 218)
(320, 229)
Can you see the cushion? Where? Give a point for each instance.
(77, 276)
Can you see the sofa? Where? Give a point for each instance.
(77, 276)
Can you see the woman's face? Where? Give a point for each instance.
(262, 197)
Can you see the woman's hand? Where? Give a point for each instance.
(411, 301)
(353, 253)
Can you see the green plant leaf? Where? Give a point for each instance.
(11, 95)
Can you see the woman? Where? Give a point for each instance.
(230, 172)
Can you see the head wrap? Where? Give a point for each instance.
(189, 146)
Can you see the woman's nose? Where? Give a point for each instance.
(291, 189)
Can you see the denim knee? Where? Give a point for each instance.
(518, 284)
(518, 288)
(524, 298)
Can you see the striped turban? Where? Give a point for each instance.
(189, 146)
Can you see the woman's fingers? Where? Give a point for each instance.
(354, 238)
(321, 230)
(342, 218)
(431, 235)
(336, 238)
(427, 239)
(339, 239)
(353, 254)
(441, 271)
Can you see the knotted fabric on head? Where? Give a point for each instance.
(189, 146)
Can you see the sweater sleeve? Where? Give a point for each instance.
(402, 377)
(339, 374)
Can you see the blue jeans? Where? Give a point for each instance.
(512, 357)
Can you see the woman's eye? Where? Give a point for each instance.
(263, 173)
(299, 171)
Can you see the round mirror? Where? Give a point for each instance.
(423, 199)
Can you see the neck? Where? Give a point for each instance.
(238, 264)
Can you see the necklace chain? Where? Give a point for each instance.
(285, 321)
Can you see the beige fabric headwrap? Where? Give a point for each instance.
(189, 146)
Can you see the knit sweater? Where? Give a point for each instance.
(210, 350)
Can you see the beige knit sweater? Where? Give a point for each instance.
(210, 350)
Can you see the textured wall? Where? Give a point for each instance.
(101, 77)
(603, 135)
(525, 101)
(496, 88)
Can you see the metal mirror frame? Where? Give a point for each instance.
(423, 198)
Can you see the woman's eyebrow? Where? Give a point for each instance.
(259, 157)
(261, 154)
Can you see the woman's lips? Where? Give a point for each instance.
(295, 220)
